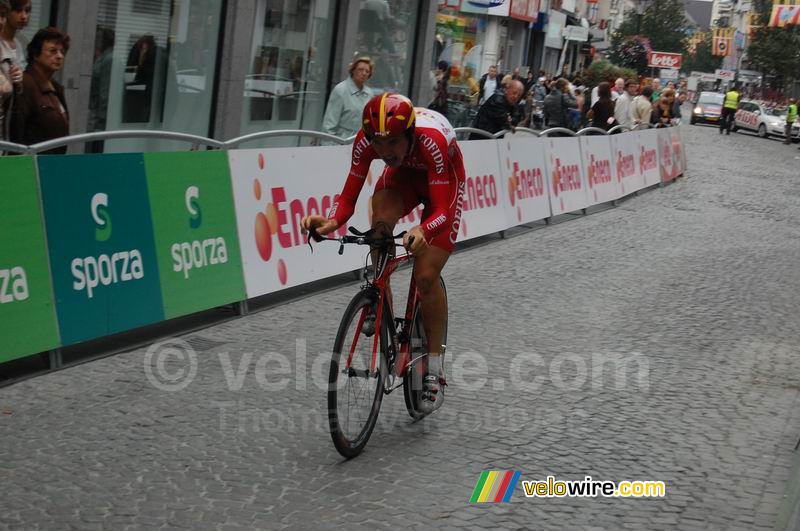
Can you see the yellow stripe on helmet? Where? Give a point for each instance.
(382, 120)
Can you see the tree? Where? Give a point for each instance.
(663, 28)
(701, 60)
(775, 51)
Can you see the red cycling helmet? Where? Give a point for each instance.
(387, 115)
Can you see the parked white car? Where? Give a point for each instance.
(766, 121)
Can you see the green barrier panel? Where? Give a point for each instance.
(194, 223)
(100, 239)
(27, 315)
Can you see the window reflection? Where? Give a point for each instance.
(386, 32)
(153, 69)
(285, 86)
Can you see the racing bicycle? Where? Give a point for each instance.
(374, 352)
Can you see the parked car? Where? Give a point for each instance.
(766, 121)
(708, 108)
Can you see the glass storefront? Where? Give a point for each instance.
(154, 68)
(39, 18)
(459, 38)
(289, 66)
(386, 33)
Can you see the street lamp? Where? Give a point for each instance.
(641, 6)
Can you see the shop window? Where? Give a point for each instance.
(290, 60)
(154, 68)
(386, 33)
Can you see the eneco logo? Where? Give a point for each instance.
(647, 159)
(566, 178)
(101, 217)
(281, 218)
(91, 272)
(599, 171)
(197, 254)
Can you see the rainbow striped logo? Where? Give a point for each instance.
(494, 486)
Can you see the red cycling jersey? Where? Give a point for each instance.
(431, 173)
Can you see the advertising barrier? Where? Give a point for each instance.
(100, 239)
(596, 154)
(666, 158)
(273, 190)
(483, 211)
(648, 156)
(27, 313)
(112, 242)
(627, 171)
(566, 176)
(194, 225)
(524, 175)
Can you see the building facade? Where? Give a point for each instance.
(226, 68)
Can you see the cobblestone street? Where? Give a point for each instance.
(657, 340)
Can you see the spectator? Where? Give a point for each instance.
(791, 117)
(488, 85)
(41, 113)
(11, 44)
(656, 90)
(529, 82)
(500, 111)
(439, 103)
(10, 81)
(540, 90)
(669, 94)
(642, 107)
(347, 100)
(557, 104)
(602, 112)
(101, 84)
(622, 111)
(515, 75)
(619, 89)
(678, 101)
(662, 114)
(671, 85)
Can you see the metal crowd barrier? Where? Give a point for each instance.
(197, 140)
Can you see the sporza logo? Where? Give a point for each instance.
(197, 254)
(193, 206)
(90, 272)
(101, 217)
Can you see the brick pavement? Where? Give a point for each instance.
(694, 286)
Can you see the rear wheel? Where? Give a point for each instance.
(412, 379)
(355, 392)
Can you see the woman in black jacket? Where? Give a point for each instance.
(602, 112)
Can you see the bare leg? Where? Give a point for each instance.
(427, 269)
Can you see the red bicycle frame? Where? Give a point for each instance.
(381, 285)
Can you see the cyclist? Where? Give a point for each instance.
(423, 165)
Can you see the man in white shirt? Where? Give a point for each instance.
(622, 107)
(488, 85)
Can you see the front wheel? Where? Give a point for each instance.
(355, 391)
(762, 131)
(412, 379)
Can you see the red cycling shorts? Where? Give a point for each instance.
(412, 185)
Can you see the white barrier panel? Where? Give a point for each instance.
(273, 189)
(648, 156)
(483, 211)
(596, 154)
(666, 160)
(678, 154)
(624, 153)
(566, 177)
(525, 177)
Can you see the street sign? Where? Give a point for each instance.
(725, 75)
(664, 60)
(668, 73)
(576, 33)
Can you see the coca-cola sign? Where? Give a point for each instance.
(664, 60)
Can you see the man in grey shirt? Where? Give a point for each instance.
(347, 101)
